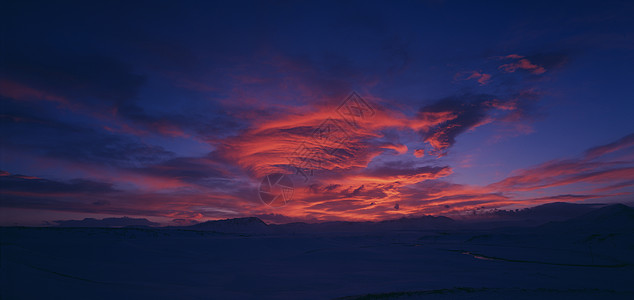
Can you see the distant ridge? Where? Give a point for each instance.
(530, 216)
(614, 217)
(550, 211)
(107, 222)
(551, 216)
(254, 225)
(609, 213)
(558, 215)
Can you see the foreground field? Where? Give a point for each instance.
(584, 258)
(143, 263)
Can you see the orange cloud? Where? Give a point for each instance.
(273, 143)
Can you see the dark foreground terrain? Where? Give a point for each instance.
(586, 257)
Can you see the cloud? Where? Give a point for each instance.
(536, 64)
(469, 111)
(365, 193)
(184, 168)
(441, 197)
(523, 64)
(14, 90)
(479, 76)
(24, 132)
(275, 143)
(350, 187)
(622, 143)
(594, 168)
(103, 88)
(262, 135)
(183, 128)
(90, 196)
(34, 185)
(566, 197)
(89, 78)
(550, 60)
(561, 172)
(401, 173)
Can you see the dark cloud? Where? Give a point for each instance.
(469, 110)
(208, 172)
(90, 196)
(185, 168)
(473, 110)
(550, 60)
(24, 132)
(98, 85)
(364, 192)
(536, 64)
(85, 78)
(34, 185)
(210, 126)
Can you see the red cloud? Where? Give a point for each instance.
(592, 168)
(481, 78)
(276, 141)
(625, 142)
(350, 194)
(349, 187)
(523, 64)
(14, 90)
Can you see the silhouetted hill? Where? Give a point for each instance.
(583, 216)
(550, 211)
(529, 217)
(614, 218)
(254, 225)
(107, 222)
(610, 213)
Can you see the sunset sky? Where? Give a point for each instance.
(175, 111)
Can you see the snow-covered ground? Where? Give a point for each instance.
(564, 260)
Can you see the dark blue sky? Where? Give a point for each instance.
(175, 111)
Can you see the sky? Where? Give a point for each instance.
(182, 111)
